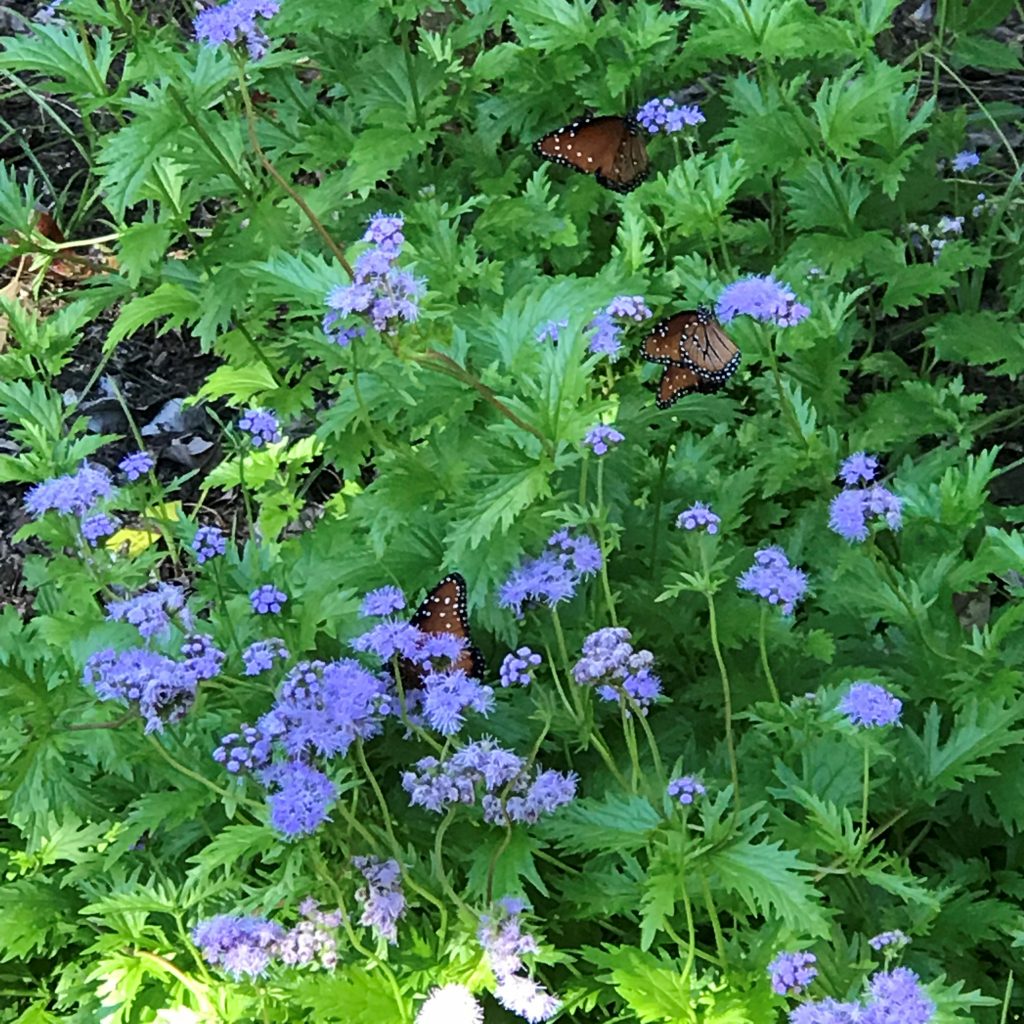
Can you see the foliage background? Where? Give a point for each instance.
(828, 135)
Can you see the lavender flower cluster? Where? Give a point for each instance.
(610, 663)
(553, 576)
(381, 291)
(505, 944)
(77, 494)
(606, 332)
(869, 705)
(509, 792)
(862, 501)
(666, 115)
(893, 996)
(791, 973)
(772, 578)
(381, 897)
(763, 298)
(245, 946)
(320, 710)
(235, 21)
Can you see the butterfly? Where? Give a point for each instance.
(610, 148)
(696, 353)
(444, 611)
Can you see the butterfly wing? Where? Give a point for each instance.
(675, 382)
(662, 344)
(610, 148)
(444, 610)
(708, 349)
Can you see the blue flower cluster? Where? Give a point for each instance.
(381, 897)
(245, 946)
(381, 291)
(884, 939)
(74, 494)
(517, 667)
(619, 672)
(151, 611)
(869, 705)
(261, 425)
(772, 577)
(606, 333)
(666, 115)
(763, 298)
(791, 973)
(235, 21)
(698, 517)
(260, 656)
(209, 542)
(600, 438)
(267, 599)
(98, 526)
(855, 507)
(894, 997)
(136, 465)
(553, 576)
(505, 944)
(686, 789)
(509, 792)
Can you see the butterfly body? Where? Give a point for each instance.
(444, 611)
(610, 148)
(696, 353)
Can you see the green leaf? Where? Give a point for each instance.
(651, 986)
(616, 823)
(514, 867)
(33, 912)
(167, 300)
(983, 52)
(986, 338)
(142, 247)
(351, 995)
(238, 383)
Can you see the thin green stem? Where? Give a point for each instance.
(864, 791)
(563, 650)
(716, 925)
(261, 355)
(659, 497)
(605, 584)
(762, 644)
(652, 743)
(629, 734)
(208, 141)
(727, 701)
(189, 773)
(218, 585)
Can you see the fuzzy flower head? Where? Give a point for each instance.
(382, 601)
(551, 331)
(381, 897)
(896, 997)
(300, 797)
(686, 789)
(96, 527)
(150, 612)
(447, 696)
(665, 115)
(852, 511)
(136, 465)
(553, 576)
(209, 542)
(885, 939)
(619, 673)
(380, 293)
(773, 579)
(518, 666)
(601, 438)
(267, 599)
(606, 333)
(964, 159)
(763, 298)
(827, 1011)
(203, 658)
(313, 939)
(243, 946)
(869, 705)
(859, 468)
(261, 425)
(260, 656)
(74, 494)
(698, 517)
(791, 973)
(235, 21)
(450, 1004)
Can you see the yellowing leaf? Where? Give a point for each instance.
(133, 542)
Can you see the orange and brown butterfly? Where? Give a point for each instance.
(696, 353)
(444, 612)
(610, 148)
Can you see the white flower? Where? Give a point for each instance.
(450, 1004)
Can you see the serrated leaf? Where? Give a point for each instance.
(166, 300)
(652, 987)
(615, 824)
(238, 383)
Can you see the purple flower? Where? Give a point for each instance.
(950, 225)
(668, 116)
(244, 946)
(791, 973)
(388, 639)
(526, 998)
(300, 797)
(629, 307)
(851, 511)
(259, 656)
(208, 542)
(827, 1011)
(858, 468)
(313, 939)
(136, 465)
(267, 599)
(517, 667)
(869, 705)
(150, 612)
(74, 494)
(600, 438)
(450, 1004)
(246, 751)
(772, 577)
(261, 425)
(448, 695)
(604, 340)
(553, 576)
(203, 659)
(380, 291)
(161, 689)
(551, 330)
(382, 898)
(698, 516)
(382, 601)
(235, 21)
(964, 159)
(610, 662)
(762, 297)
(686, 788)
(893, 938)
(96, 527)
(896, 997)
(544, 795)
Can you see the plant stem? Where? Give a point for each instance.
(629, 734)
(764, 654)
(218, 585)
(659, 497)
(260, 354)
(727, 698)
(605, 584)
(716, 925)
(864, 793)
